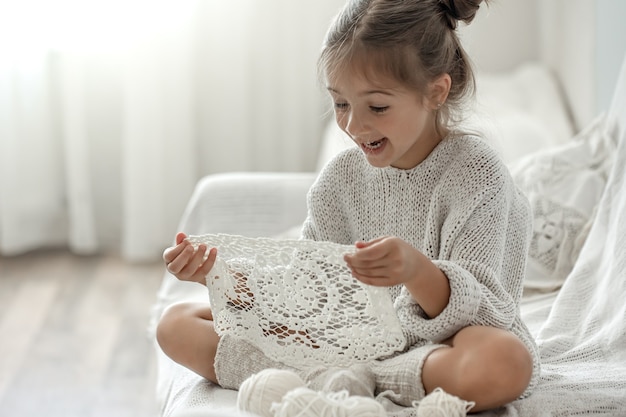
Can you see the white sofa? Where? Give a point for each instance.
(529, 117)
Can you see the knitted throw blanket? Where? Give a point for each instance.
(298, 302)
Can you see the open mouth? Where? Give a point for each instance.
(375, 144)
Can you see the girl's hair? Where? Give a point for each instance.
(411, 41)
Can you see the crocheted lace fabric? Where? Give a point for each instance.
(298, 302)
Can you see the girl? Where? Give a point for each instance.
(433, 211)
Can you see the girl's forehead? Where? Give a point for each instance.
(352, 77)
(378, 67)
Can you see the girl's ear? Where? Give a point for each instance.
(438, 91)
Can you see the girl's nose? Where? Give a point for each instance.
(354, 125)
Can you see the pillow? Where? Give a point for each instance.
(523, 109)
(564, 185)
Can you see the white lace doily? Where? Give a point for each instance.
(298, 302)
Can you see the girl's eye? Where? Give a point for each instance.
(377, 109)
(341, 106)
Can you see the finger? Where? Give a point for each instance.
(372, 279)
(193, 263)
(180, 237)
(375, 258)
(377, 272)
(206, 266)
(172, 253)
(176, 265)
(365, 264)
(363, 244)
(372, 252)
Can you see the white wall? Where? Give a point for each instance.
(582, 41)
(504, 34)
(567, 47)
(610, 49)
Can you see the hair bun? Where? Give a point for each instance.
(459, 10)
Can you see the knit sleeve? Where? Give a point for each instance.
(326, 218)
(483, 254)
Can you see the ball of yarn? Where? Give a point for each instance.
(304, 402)
(259, 391)
(441, 404)
(218, 412)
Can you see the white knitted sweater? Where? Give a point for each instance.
(459, 207)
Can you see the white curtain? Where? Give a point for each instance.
(110, 111)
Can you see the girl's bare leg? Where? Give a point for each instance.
(489, 366)
(186, 334)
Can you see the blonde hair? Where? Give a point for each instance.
(411, 41)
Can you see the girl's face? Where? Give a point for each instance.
(393, 125)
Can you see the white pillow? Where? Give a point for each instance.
(522, 111)
(564, 185)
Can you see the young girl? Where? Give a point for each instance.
(433, 213)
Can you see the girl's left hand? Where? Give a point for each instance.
(384, 262)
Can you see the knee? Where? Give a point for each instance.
(500, 365)
(515, 363)
(171, 323)
(167, 325)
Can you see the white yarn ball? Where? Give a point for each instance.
(304, 402)
(441, 404)
(218, 412)
(259, 391)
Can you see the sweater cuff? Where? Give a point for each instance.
(465, 298)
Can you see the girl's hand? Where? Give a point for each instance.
(389, 261)
(186, 263)
(384, 262)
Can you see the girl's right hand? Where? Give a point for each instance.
(187, 263)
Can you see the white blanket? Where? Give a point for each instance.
(583, 340)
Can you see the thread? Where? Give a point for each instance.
(304, 402)
(259, 391)
(441, 404)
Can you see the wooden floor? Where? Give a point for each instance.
(74, 336)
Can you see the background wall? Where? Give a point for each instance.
(121, 124)
(504, 34)
(509, 32)
(610, 47)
